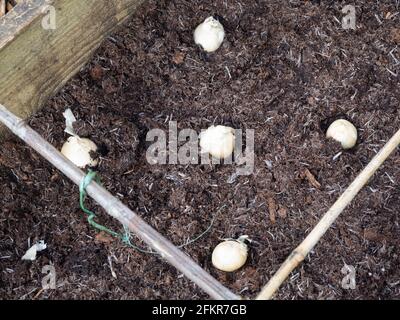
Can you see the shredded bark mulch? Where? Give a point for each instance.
(286, 69)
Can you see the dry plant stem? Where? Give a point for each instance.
(299, 254)
(118, 210)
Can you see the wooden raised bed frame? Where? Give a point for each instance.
(35, 63)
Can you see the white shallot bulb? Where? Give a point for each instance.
(230, 255)
(209, 35)
(79, 151)
(218, 141)
(343, 132)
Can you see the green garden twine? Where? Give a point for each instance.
(125, 237)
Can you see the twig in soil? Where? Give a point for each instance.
(114, 275)
(394, 57)
(311, 179)
(272, 209)
(299, 254)
(392, 73)
(378, 19)
(336, 156)
(27, 294)
(38, 294)
(118, 210)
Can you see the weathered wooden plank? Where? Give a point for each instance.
(19, 19)
(36, 62)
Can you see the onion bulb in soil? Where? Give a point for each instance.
(230, 255)
(343, 132)
(80, 151)
(209, 35)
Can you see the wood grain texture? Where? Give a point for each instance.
(35, 63)
(19, 19)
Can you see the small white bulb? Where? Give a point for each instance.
(218, 141)
(230, 255)
(209, 35)
(344, 132)
(78, 150)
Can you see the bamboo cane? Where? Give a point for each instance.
(299, 254)
(117, 209)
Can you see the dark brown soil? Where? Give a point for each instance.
(286, 69)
